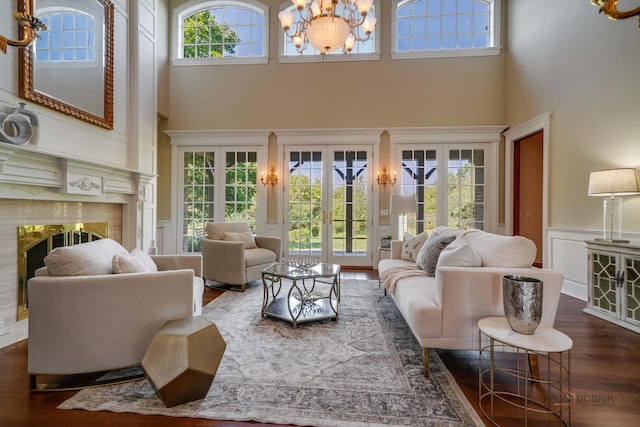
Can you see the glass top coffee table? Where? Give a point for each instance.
(300, 294)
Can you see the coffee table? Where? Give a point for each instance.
(301, 294)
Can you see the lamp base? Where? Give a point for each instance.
(598, 239)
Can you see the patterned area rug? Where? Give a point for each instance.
(363, 370)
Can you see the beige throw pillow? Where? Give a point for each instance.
(459, 254)
(246, 237)
(412, 244)
(135, 262)
(91, 258)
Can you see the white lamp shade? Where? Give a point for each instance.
(364, 6)
(610, 182)
(403, 204)
(327, 33)
(286, 19)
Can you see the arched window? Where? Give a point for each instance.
(434, 28)
(220, 31)
(368, 50)
(70, 37)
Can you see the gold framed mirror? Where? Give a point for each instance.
(70, 66)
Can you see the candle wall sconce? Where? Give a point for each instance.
(270, 178)
(610, 8)
(30, 27)
(384, 178)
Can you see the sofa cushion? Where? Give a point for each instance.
(459, 254)
(91, 258)
(496, 250)
(428, 256)
(135, 262)
(245, 237)
(411, 245)
(258, 256)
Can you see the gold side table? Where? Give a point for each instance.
(547, 396)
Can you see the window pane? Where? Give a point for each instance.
(461, 24)
(223, 31)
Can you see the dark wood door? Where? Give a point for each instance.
(527, 197)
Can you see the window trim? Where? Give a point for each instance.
(447, 53)
(192, 6)
(294, 59)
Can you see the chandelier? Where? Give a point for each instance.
(320, 26)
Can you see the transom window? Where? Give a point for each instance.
(369, 49)
(428, 28)
(221, 31)
(70, 37)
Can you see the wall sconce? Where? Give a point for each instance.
(30, 27)
(271, 178)
(610, 8)
(384, 178)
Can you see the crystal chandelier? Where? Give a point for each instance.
(325, 30)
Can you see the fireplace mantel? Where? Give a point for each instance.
(26, 173)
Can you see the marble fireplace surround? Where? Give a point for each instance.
(42, 188)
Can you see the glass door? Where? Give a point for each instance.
(449, 183)
(328, 205)
(218, 184)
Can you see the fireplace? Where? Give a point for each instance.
(36, 241)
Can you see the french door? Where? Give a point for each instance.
(328, 204)
(450, 183)
(217, 184)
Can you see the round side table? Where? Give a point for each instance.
(545, 395)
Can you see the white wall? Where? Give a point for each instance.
(567, 59)
(583, 68)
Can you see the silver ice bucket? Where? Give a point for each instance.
(522, 299)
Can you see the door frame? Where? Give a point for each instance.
(331, 137)
(541, 123)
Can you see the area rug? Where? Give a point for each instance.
(365, 369)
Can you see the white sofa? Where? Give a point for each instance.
(87, 323)
(443, 311)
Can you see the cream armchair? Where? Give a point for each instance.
(231, 255)
(92, 323)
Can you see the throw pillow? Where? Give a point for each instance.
(412, 244)
(135, 262)
(430, 252)
(91, 258)
(459, 254)
(122, 264)
(246, 237)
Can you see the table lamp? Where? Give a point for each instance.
(613, 183)
(400, 207)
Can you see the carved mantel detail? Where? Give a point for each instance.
(85, 184)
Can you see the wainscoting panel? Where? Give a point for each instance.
(568, 255)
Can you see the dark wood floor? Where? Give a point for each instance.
(605, 366)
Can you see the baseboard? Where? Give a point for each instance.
(576, 290)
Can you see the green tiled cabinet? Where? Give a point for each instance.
(614, 283)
